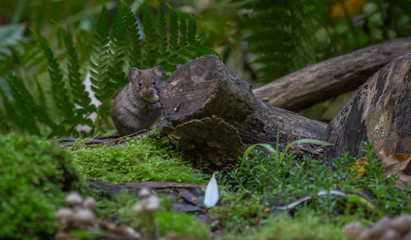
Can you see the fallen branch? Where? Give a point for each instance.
(319, 82)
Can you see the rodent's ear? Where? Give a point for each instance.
(159, 71)
(133, 74)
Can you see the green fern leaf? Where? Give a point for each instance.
(118, 42)
(162, 31)
(41, 111)
(99, 59)
(192, 30)
(183, 29)
(78, 89)
(150, 49)
(281, 36)
(10, 112)
(58, 85)
(134, 49)
(173, 29)
(24, 104)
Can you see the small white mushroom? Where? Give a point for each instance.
(132, 232)
(149, 202)
(402, 223)
(390, 234)
(143, 193)
(353, 230)
(366, 234)
(74, 198)
(138, 207)
(84, 216)
(152, 204)
(380, 227)
(89, 203)
(65, 215)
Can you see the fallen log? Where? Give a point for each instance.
(108, 188)
(319, 82)
(379, 111)
(212, 115)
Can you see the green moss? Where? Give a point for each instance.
(34, 173)
(144, 160)
(306, 224)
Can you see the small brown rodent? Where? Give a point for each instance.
(137, 105)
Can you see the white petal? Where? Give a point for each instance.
(211, 194)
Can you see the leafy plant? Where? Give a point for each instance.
(167, 39)
(279, 183)
(305, 224)
(280, 157)
(280, 34)
(34, 174)
(144, 160)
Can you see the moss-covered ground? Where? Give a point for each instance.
(252, 196)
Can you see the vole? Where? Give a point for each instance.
(137, 106)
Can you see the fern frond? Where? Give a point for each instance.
(10, 112)
(99, 59)
(24, 104)
(192, 30)
(280, 36)
(78, 90)
(183, 29)
(162, 31)
(173, 39)
(58, 85)
(118, 42)
(134, 43)
(150, 50)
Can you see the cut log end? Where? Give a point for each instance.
(213, 114)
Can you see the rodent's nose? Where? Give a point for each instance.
(149, 94)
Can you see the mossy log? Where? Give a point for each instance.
(379, 111)
(327, 79)
(213, 115)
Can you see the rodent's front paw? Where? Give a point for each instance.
(157, 105)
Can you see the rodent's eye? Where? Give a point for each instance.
(140, 83)
(153, 82)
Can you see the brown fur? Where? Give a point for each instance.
(137, 105)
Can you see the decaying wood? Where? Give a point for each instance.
(330, 78)
(213, 115)
(108, 188)
(379, 111)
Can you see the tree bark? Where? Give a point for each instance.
(213, 115)
(330, 78)
(379, 111)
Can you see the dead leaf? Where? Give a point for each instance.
(359, 165)
(396, 164)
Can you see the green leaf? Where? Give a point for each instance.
(24, 104)
(58, 86)
(99, 59)
(134, 50)
(151, 39)
(183, 29)
(80, 95)
(192, 30)
(173, 29)
(311, 141)
(265, 145)
(162, 31)
(118, 42)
